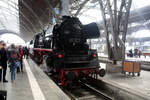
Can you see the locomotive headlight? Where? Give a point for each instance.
(94, 55)
(59, 55)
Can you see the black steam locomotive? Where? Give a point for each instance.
(67, 52)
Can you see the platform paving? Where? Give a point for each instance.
(33, 84)
(140, 85)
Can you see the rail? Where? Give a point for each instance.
(86, 92)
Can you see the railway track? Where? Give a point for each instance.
(83, 91)
(97, 89)
(86, 92)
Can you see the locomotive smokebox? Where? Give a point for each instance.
(102, 72)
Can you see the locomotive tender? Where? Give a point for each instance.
(66, 51)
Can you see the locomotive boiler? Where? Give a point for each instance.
(66, 51)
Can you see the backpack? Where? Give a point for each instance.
(14, 55)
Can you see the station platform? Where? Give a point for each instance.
(138, 85)
(142, 58)
(33, 84)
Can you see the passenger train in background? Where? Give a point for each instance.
(66, 51)
(145, 49)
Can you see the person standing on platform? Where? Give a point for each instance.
(13, 58)
(20, 51)
(139, 53)
(4, 59)
(136, 52)
(27, 52)
(130, 53)
(1, 46)
(24, 52)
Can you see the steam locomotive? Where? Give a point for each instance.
(66, 51)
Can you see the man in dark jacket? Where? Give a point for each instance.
(4, 59)
(1, 46)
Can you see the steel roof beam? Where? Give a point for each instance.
(34, 29)
(29, 8)
(21, 14)
(81, 6)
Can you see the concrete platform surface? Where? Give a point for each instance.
(142, 58)
(139, 85)
(33, 84)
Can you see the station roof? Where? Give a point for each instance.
(9, 18)
(28, 17)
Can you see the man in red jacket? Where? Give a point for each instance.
(20, 52)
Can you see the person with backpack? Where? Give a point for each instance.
(13, 61)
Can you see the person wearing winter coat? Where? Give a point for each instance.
(13, 61)
(3, 60)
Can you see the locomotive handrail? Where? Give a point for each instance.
(43, 49)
